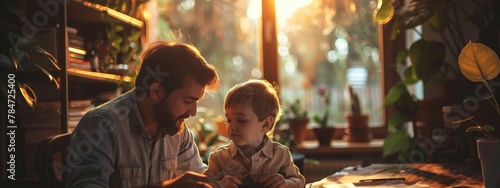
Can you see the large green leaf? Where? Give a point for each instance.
(396, 142)
(397, 118)
(427, 58)
(478, 62)
(409, 76)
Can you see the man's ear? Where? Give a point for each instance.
(268, 123)
(155, 91)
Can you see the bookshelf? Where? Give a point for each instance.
(82, 86)
(90, 18)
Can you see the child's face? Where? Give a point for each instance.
(243, 126)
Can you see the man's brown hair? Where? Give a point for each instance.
(169, 63)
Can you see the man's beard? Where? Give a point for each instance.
(173, 125)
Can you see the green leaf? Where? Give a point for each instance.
(396, 142)
(427, 58)
(384, 12)
(117, 28)
(395, 93)
(402, 55)
(397, 118)
(409, 76)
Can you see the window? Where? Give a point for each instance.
(320, 44)
(329, 44)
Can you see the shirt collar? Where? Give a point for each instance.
(267, 149)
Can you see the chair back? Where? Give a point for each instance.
(50, 160)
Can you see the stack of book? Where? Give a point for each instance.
(76, 51)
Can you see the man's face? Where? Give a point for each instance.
(172, 111)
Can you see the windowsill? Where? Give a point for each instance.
(311, 147)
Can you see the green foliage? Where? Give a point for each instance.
(295, 111)
(397, 142)
(323, 120)
(446, 18)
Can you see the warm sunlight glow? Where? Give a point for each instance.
(254, 10)
(285, 8)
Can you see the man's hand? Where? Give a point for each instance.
(273, 181)
(192, 179)
(230, 182)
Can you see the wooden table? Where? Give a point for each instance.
(415, 175)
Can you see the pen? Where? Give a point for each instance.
(381, 179)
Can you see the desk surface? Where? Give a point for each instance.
(416, 175)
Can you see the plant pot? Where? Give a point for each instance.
(357, 129)
(489, 154)
(298, 127)
(324, 135)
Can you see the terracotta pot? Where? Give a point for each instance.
(357, 129)
(298, 127)
(324, 135)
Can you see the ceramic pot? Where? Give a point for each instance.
(324, 135)
(298, 127)
(489, 155)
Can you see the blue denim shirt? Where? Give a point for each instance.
(111, 148)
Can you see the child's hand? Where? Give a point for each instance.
(230, 182)
(273, 181)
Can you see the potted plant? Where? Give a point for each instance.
(298, 120)
(447, 25)
(324, 133)
(479, 63)
(357, 129)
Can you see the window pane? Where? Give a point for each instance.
(226, 32)
(329, 44)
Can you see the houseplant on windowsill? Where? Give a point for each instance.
(479, 63)
(356, 127)
(324, 133)
(298, 120)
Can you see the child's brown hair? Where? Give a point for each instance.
(261, 94)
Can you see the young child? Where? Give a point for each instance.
(252, 159)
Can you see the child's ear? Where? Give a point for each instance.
(268, 123)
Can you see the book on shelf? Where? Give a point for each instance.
(71, 30)
(79, 64)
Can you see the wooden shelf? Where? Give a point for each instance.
(97, 76)
(90, 13)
